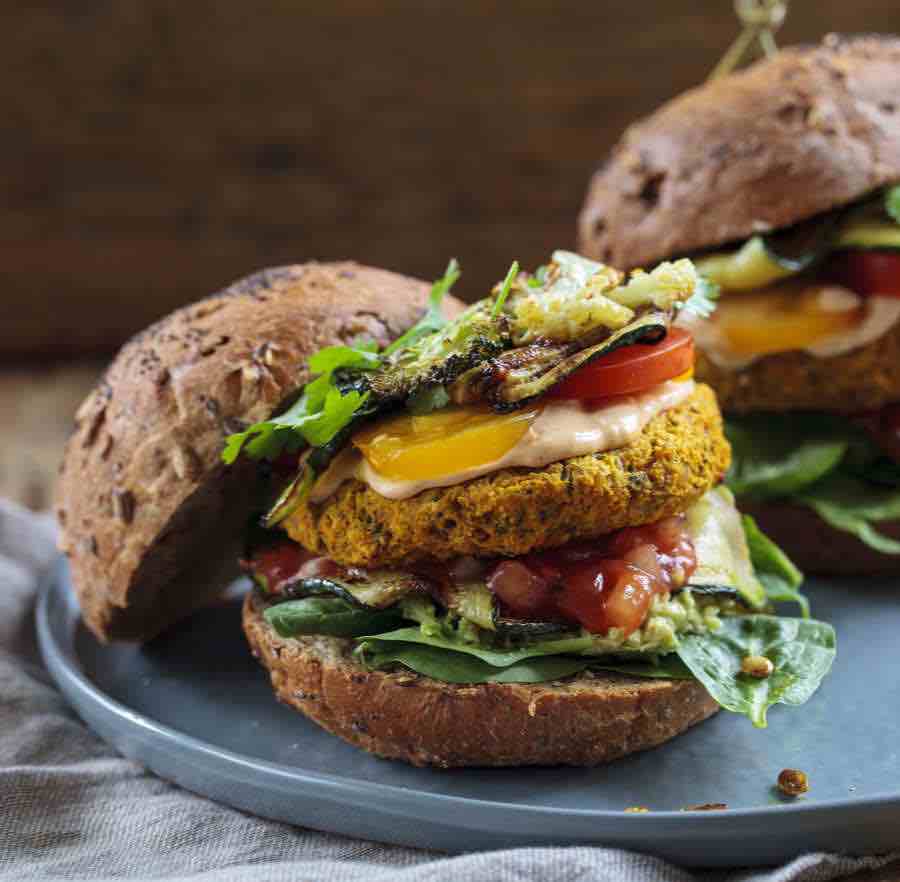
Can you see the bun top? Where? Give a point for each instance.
(787, 138)
(150, 518)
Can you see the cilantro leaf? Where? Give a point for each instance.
(362, 356)
(433, 320)
(505, 289)
(316, 417)
(337, 411)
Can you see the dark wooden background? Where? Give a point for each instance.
(155, 150)
(152, 151)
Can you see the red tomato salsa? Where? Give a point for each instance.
(606, 583)
(275, 566)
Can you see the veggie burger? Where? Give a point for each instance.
(781, 182)
(501, 538)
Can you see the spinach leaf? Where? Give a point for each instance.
(457, 667)
(498, 658)
(774, 568)
(778, 455)
(802, 651)
(666, 667)
(327, 615)
(849, 504)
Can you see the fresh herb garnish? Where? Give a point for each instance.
(433, 320)
(505, 289)
(325, 408)
(317, 416)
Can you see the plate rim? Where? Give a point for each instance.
(64, 666)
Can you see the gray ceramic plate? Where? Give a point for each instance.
(194, 707)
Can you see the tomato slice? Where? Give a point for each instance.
(632, 368)
(867, 272)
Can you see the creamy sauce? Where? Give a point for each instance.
(564, 429)
(879, 316)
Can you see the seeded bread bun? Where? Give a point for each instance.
(787, 138)
(819, 549)
(150, 518)
(583, 720)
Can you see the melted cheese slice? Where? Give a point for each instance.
(406, 455)
(823, 320)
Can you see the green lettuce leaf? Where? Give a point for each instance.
(774, 568)
(849, 504)
(802, 651)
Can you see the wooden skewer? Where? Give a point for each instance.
(760, 19)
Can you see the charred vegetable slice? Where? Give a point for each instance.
(373, 590)
(520, 629)
(723, 557)
(524, 374)
(476, 604)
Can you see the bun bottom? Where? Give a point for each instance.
(818, 548)
(584, 720)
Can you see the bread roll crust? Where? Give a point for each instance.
(785, 139)
(584, 720)
(150, 518)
